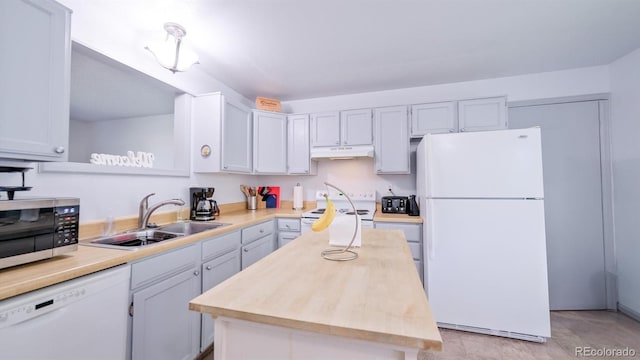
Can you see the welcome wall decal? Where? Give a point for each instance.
(139, 159)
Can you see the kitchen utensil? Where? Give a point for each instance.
(252, 203)
(245, 190)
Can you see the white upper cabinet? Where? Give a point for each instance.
(342, 128)
(236, 137)
(34, 90)
(463, 115)
(482, 114)
(270, 142)
(222, 135)
(392, 152)
(356, 127)
(298, 157)
(433, 118)
(325, 129)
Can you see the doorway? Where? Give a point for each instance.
(575, 227)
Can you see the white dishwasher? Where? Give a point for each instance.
(83, 318)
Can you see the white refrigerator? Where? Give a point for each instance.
(482, 203)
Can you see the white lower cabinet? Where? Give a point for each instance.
(413, 234)
(257, 242)
(288, 230)
(163, 327)
(256, 250)
(213, 273)
(221, 260)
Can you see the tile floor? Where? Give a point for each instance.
(569, 330)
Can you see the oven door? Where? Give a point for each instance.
(305, 224)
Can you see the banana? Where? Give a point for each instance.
(326, 219)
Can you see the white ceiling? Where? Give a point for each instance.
(294, 49)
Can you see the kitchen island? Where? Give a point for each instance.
(293, 304)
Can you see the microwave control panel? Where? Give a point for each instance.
(66, 225)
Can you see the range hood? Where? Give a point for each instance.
(341, 152)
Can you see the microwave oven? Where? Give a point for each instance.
(36, 229)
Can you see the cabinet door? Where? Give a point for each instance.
(255, 251)
(213, 273)
(286, 237)
(163, 325)
(482, 114)
(34, 90)
(298, 144)
(270, 142)
(237, 138)
(356, 127)
(206, 123)
(325, 129)
(413, 234)
(433, 118)
(392, 151)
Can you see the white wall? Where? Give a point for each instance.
(80, 137)
(152, 134)
(354, 173)
(625, 112)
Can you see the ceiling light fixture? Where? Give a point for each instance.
(171, 52)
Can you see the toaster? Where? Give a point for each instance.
(395, 204)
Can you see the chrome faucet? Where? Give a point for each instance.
(144, 220)
(142, 209)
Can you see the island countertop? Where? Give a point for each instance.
(377, 297)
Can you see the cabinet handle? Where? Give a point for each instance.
(338, 142)
(225, 167)
(196, 273)
(245, 250)
(462, 130)
(346, 143)
(59, 150)
(452, 130)
(261, 231)
(208, 267)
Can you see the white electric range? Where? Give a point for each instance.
(365, 203)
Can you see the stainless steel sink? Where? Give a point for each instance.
(190, 227)
(132, 240)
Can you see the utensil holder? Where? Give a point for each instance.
(252, 203)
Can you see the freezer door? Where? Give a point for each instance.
(486, 164)
(485, 264)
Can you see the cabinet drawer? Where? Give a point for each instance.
(252, 233)
(285, 237)
(220, 245)
(163, 265)
(288, 224)
(413, 232)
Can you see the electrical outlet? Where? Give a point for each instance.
(390, 188)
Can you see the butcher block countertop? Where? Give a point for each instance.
(377, 297)
(88, 259)
(28, 277)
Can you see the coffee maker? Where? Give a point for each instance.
(203, 207)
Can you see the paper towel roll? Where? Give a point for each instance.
(297, 197)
